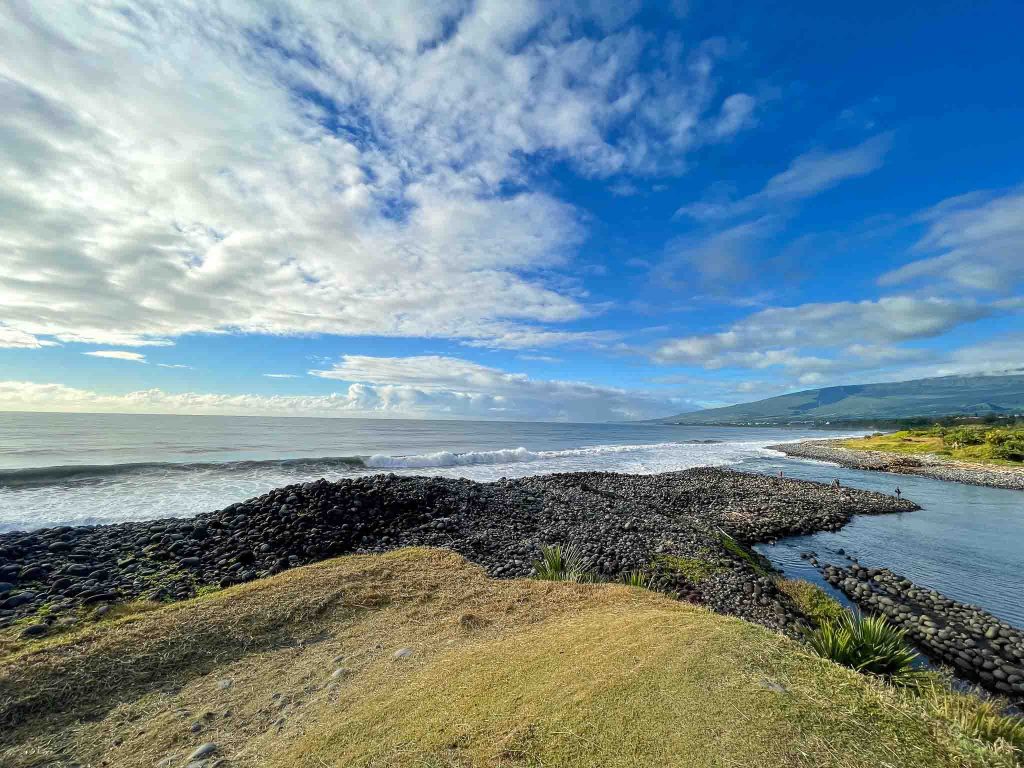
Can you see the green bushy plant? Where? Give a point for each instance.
(963, 436)
(867, 644)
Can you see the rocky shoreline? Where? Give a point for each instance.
(693, 524)
(924, 465)
(977, 644)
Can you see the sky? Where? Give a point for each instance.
(575, 211)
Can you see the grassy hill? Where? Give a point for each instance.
(416, 658)
(945, 396)
(1002, 447)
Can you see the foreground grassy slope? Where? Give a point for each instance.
(301, 670)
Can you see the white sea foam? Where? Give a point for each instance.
(504, 456)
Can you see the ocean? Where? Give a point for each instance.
(83, 469)
(78, 469)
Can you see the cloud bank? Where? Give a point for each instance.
(416, 387)
(338, 168)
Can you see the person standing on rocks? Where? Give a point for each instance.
(899, 493)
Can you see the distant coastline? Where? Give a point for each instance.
(927, 465)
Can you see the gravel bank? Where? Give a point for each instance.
(621, 522)
(980, 646)
(924, 465)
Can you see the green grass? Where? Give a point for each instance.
(760, 566)
(868, 644)
(980, 720)
(694, 570)
(975, 444)
(812, 600)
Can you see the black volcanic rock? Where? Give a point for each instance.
(620, 522)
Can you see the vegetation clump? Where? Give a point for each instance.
(981, 719)
(867, 644)
(695, 570)
(640, 578)
(812, 600)
(558, 563)
(761, 567)
(981, 443)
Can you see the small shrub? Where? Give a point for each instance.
(958, 438)
(1005, 444)
(867, 644)
(558, 563)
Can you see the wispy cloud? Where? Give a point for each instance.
(978, 245)
(281, 375)
(117, 354)
(12, 338)
(807, 175)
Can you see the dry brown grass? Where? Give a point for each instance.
(509, 673)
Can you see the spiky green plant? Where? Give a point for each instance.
(639, 578)
(867, 644)
(558, 563)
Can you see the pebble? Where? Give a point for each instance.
(203, 751)
(402, 653)
(981, 646)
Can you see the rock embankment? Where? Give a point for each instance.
(620, 523)
(924, 465)
(980, 646)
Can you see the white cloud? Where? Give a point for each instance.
(174, 168)
(173, 365)
(117, 354)
(850, 334)
(807, 175)
(737, 113)
(12, 338)
(280, 375)
(978, 242)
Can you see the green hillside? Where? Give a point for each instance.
(945, 396)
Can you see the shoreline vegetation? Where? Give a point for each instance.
(959, 455)
(416, 657)
(241, 634)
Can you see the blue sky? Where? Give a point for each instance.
(503, 210)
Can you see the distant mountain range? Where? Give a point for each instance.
(945, 396)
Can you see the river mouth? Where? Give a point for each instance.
(966, 541)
